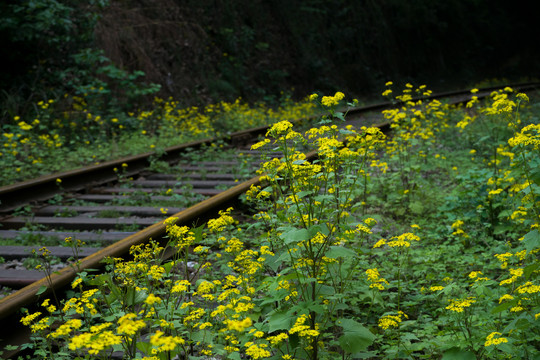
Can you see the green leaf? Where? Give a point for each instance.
(295, 235)
(458, 354)
(355, 337)
(144, 347)
(535, 176)
(41, 290)
(416, 207)
(340, 252)
(326, 290)
(504, 306)
(340, 116)
(528, 270)
(280, 320)
(532, 240)
(202, 335)
(303, 193)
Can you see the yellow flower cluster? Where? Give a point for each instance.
(459, 305)
(458, 230)
(85, 303)
(501, 103)
(529, 136)
(95, 341)
(257, 351)
(375, 279)
(515, 274)
(239, 325)
(302, 329)
(392, 321)
(403, 240)
(128, 326)
(495, 339)
(221, 223)
(165, 343)
(66, 328)
(330, 101)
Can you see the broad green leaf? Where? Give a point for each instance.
(301, 194)
(458, 354)
(318, 228)
(326, 290)
(202, 335)
(535, 176)
(528, 270)
(340, 252)
(504, 306)
(41, 290)
(355, 336)
(532, 240)
(145, 347)
(295, 235)
(416, 207)
(280, 320)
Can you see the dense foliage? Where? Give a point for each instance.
(409, 246)
(203, 52)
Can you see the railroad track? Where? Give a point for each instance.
(122, 203)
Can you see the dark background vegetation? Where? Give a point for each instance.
(202, 51)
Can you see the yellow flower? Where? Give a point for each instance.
(257, 351)
(303, 330)
(277, 339)
(279, 128)
(505, 297)
(491, 339)
(388, 321)
(128, 326)
(152, 299)
(403, 240)
(27, 320)
(379, 243)
(165, 343)
(528, 288)
(180, 286)
(66, 328)
(375, 279)
(76, 283)
(436, 288)
(458, 305)
(238, 325)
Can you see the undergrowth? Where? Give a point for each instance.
(68, 133)
(423, 244)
